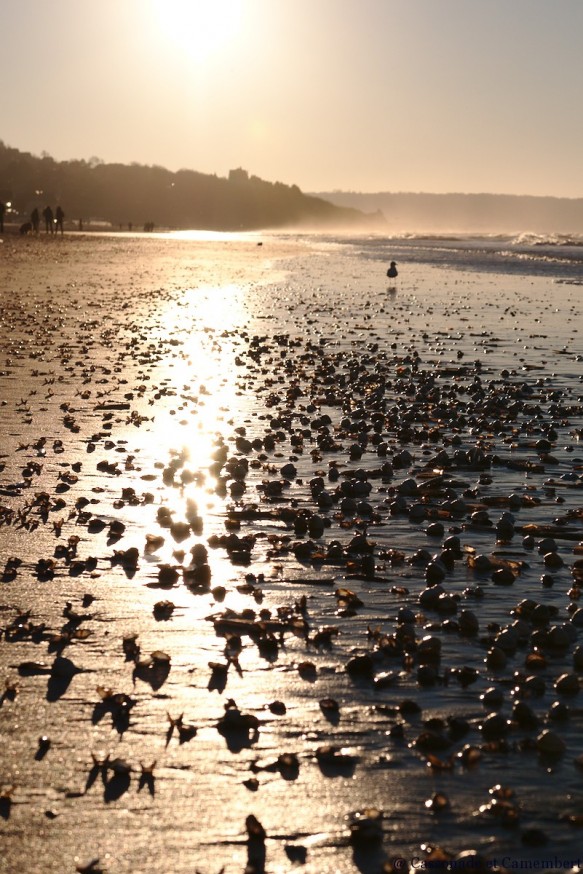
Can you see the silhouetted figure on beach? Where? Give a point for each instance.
(49, 220)
(2, 213)
(35, 220)
(59, 216)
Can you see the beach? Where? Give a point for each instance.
(291, 560)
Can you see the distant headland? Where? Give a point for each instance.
(467, 213)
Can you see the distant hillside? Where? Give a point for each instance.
(484, 213)
(123, 194)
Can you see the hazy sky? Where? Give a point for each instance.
(363, 95)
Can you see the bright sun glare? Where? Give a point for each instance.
(202, 28)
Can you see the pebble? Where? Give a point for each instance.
(549, 743)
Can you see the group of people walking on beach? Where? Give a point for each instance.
(53, 221)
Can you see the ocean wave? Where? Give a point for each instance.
(529, 239)
(559, 257)
(444, 238)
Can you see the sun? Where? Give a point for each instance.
(201, 28)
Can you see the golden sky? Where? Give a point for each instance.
(361, 95)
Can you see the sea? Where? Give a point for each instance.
(556, 256)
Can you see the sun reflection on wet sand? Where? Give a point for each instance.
(202, 401)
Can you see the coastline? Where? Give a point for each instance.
(123, 362)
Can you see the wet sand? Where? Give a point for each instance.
(382, 490)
